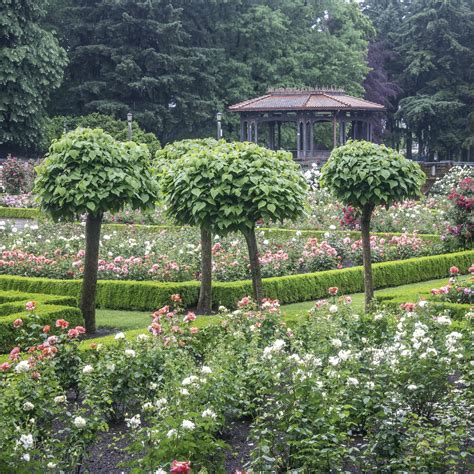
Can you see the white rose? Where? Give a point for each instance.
(119, 335)
(188, 425)
(28, 406)
(333, 308)
(79, 422)
(206, 370)
(26, 440)
(208, 413)
(130, 353)
(22, 366)
(60, 399)
(171, 433)
(87, 369)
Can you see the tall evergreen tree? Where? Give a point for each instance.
(31, 66)
(202, 55)
(435, 44)
(130, 55)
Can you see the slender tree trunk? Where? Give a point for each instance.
(366, 254)
(205, 292)
(89, 281)
(251, 240)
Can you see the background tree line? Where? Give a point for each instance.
(175, 63)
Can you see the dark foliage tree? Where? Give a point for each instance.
(174, 63)
(31, 66)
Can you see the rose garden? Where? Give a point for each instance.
(231, 332)
(295, 295)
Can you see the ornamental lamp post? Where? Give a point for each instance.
(129, 124)
(219, 125)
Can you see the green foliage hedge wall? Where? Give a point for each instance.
(147, 296)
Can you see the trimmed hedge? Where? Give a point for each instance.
(394, 300)
(147, 296)
(49, 308)
(19, 213)
(319, 234)
(34, 213)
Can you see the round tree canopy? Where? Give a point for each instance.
(88, 172)
(364, 174)
(232, 185)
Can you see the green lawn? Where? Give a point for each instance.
(128, 320)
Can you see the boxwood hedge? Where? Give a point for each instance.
(147, 296)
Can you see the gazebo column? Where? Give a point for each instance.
(249, 131)
(279, 135)
(255, 131)
(271, 135)
(311, 138)
(305, 140)
(342, 132)
(244, 129)
(299, 138)
(334, 131)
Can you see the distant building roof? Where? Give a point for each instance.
(305, 99)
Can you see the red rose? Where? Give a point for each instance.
(180, 467)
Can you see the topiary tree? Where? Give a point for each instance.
(232, 186)
(88, 172)
(172, 160)
(365, 175)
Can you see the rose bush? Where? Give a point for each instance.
(386, 391)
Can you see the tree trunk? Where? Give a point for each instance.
(254, 264)
(366, 253)
(205, 292)
(89, 281)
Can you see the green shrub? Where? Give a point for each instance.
(147, 296)
(19, 213)
(49, 308)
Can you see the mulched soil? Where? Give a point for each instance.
(109, 451)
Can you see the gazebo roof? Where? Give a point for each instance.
(286, 99)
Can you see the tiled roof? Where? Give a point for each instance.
(304, 99)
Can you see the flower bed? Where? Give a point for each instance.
(15, 310)
(383, 391)
(56, 251)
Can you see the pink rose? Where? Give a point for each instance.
(17, 323)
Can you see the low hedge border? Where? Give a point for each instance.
(34, 213)
(320, 234)
(147, 296)
(49, 308)
(394, 300)
(19, 213)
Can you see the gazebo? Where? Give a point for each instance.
(350, 118)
